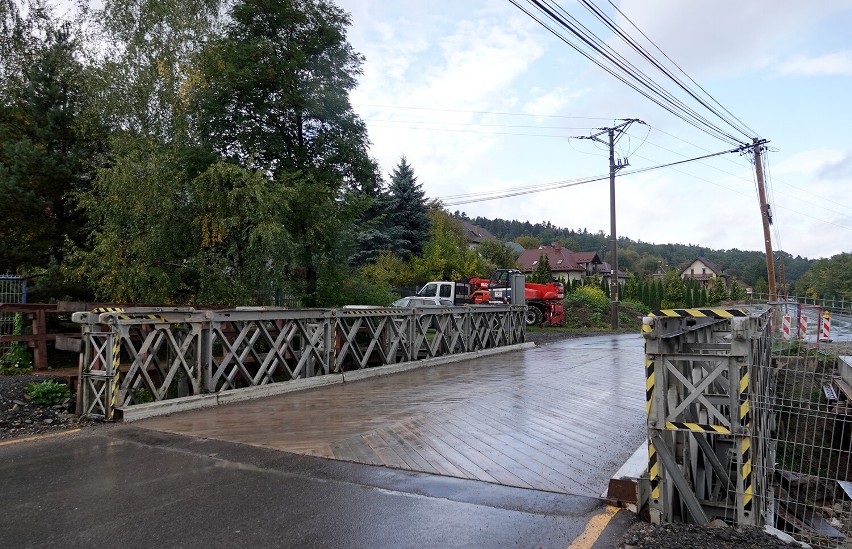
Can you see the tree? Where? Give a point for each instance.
(145, 84)
(44, 155)
(528, 242)
(674, 295)
(738, 293)
(446, 255)
(407, 213)
(542, 273)
(718, 291)
(498, 254)
(828, 278)
(273, 93)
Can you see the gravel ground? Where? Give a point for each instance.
(675, 536)
(21, 418)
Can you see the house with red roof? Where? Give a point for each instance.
(566, 265)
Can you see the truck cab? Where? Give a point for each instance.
(460, 293)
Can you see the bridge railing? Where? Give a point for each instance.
(138, 355)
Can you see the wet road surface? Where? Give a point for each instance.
(562, 417)
(121, 486)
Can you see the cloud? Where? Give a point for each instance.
(704, 37)
(840, 169)
(831, 64)
(550, 103)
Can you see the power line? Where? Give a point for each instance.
(752, 132)
(402, 107)
(597, 51)
(457, 200)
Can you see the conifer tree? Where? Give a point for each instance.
(407, 214)
(542, 273)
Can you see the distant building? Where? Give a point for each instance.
(476, 235)
(566, 265)
(703, 271)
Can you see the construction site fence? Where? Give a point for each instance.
(139, 355)
(749, 425)
(13, 289)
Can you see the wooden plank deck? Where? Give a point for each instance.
(562, 417)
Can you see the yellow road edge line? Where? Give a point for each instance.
(594, 529)
(39, 437)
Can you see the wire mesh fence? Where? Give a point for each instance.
(12, 290)
(812, 386)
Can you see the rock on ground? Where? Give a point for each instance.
(21, 418)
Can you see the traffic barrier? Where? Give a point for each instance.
(786, 325)
(825, 332)
(803, 326)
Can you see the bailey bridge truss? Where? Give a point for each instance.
(710, 454)
(138, 355)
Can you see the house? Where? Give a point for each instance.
(703, 271)
(476, 235)
(566, 265)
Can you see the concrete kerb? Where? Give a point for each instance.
(166, 407)
(358, 375)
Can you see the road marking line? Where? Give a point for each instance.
(594, 529)
(39, 437)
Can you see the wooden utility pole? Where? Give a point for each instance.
(613, 134)
(764, 212)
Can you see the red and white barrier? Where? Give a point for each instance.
(803, 326)
(786, 324)
(825, 332)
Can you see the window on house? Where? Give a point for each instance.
(535, 262)
(559, 262)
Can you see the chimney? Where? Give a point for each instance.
(557, 246)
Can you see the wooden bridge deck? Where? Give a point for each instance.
(561, 417)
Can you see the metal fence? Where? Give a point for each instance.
(13, 289)
(749, 418)
(140, 355)
(813, 433)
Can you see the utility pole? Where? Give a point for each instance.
(613, 134)
(764, 213)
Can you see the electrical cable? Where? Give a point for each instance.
(506, 193)
(752, 132)
(634, 78)
(672, 109)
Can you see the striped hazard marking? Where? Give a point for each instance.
(116, 362)
(650, 379)
(653, 471)
(697, 427)
(745, 421)
(699, 313)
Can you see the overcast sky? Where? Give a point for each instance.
(479, 97)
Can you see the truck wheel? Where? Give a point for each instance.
(533, 316)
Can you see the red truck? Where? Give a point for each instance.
(544, 301)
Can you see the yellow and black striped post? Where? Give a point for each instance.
(745, 445)
(114, 379)
(654, 474)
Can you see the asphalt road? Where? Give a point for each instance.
(122, 486)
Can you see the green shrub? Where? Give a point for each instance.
(48, 393)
